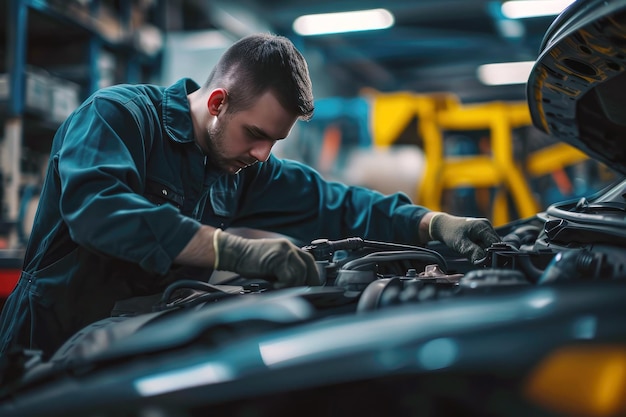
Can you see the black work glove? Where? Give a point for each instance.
(277, 259)
(468, 236)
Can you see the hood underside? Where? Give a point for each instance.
(576, 90)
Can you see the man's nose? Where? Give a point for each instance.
(262, 151)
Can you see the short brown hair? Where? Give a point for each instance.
(261, 62)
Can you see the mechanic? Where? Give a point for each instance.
(143, 180)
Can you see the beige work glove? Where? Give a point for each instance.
(276, 259)
(469, 236)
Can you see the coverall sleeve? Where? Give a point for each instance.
(291, 198)
(101, 165)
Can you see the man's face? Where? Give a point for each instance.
(237, 140)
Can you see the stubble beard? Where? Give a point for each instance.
(215, 146)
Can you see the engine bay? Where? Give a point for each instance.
(583, 239)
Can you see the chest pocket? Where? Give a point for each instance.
(158, 193)
(223, 202)
(224, 196)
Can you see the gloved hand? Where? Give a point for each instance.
(468, 236)
(265, 258)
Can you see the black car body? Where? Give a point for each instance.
(537, 329)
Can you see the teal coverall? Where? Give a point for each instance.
(126, 189)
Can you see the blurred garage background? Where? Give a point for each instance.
(426, 97)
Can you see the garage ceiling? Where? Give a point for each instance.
(435, 45)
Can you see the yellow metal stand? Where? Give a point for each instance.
(551, 158)
(498, 170)
(391, 113)
(436, 114)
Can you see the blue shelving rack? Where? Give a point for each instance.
(21, 19)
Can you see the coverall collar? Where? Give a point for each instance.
(176, 113)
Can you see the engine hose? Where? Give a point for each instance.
(522, 235)
(580, 264)
(441, 261)
(189, 284)
(323, 249)
(426, 256)
(530, 270)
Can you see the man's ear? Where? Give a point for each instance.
(217, 100)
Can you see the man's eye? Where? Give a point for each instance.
(258, 136)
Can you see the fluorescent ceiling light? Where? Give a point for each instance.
(519, 9)
(324, 23)
(505, 73)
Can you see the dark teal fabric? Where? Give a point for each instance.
(126, 189)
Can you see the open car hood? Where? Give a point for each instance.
(576, 88)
